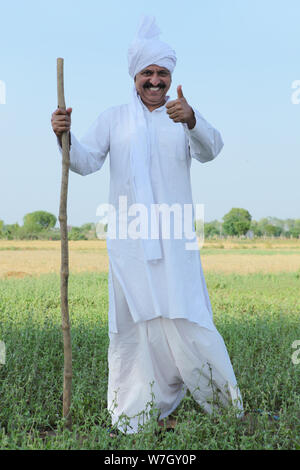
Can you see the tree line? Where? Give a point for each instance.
(239, 222)
(41, 225)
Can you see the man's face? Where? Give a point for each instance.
(152, 84)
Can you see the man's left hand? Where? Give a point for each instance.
(180, 111)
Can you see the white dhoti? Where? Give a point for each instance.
(154, 362)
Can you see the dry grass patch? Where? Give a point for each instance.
(19, 258)
(41, 257)
(246, 264)
(259, 243)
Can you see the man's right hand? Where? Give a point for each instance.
(61, 121)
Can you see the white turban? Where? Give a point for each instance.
(147, 49)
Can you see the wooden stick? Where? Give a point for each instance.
(64, 272)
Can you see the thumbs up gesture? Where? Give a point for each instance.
(180, 111)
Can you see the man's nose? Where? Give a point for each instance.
(155, 80)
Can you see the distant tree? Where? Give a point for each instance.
(295, 230)
(262, 224)
(272, 230)
(1, 228)
(11, 231)
(88, 227)
(254, 226)
(278, 223)
(39, 220)
(270, 226)
(212, 228)
(289, 224)
(76, 233)
(236, 222)
(89, 230)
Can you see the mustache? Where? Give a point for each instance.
(149, 85)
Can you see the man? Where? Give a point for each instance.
(162, 337)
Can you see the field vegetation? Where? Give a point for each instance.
(254, 289)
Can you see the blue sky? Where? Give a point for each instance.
(237, 60)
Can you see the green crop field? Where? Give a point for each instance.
(257, 315)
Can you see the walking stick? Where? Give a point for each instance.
(64, 272)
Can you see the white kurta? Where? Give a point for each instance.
(162, 336)
(174, 286)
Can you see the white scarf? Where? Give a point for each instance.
(145, 50)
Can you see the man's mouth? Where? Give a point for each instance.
(147, 86)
